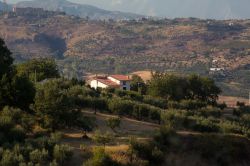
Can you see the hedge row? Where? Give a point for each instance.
(134, 109)
(185, 120)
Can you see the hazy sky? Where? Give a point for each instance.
(222, 9)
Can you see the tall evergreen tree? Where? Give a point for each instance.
(15, 90)
(6, 60)
(38, 69)
(5, 70)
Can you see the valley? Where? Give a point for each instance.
(171, 119)
(89, 46)
(87, 86)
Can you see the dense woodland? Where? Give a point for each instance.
(37, 105)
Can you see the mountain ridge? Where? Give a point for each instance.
(204, 9)
(4, 7)
(81, 10)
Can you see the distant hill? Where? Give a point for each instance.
(170, 44)
(205, 9)
(4, 7)
(1, 6)
(78, 9)
(179, 45)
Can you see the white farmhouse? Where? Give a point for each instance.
(113, 81)
(217, 69)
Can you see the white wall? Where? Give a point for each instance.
(97, 84)
(127, 85)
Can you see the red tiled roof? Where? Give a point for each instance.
(121, 77)
(107, 82)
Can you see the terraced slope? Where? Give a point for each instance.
(181, 45)
(170, 43)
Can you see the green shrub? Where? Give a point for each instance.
(1, 152)
(113, 123)
(17, 134)
(39, 156)
(62, 153)
(15, 114)
(245, 120)
(157, 102)
(98, 103)
(166, 137)
(176, 118)
(6, 123)
(11, 159)
(129, 95)
(102, 138)
(220, 149)
(146, 151)
(144, 110)
(204, 125)
(110, 90)
(174, 105)
(187, 104)
(100, 158)
(134, 109)
(155, 114)
(208, 112)
(120, 93)
(85, 123)
(53, 163)
(192, 104)
(141, 149)
(121, 107)
(230, 127)
(157, 156)
(134, 96)
(77, 90)
(186, 120)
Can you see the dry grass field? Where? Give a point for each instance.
(145, 75)
(143, 131)
(129, 128)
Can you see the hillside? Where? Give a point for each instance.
(46, 119)
(78, 9)
(192, 146)
(1, 6)
(4, 7)
(170, 44)
(179, 45)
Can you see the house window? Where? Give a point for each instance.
(124, 82)
(124, 88)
